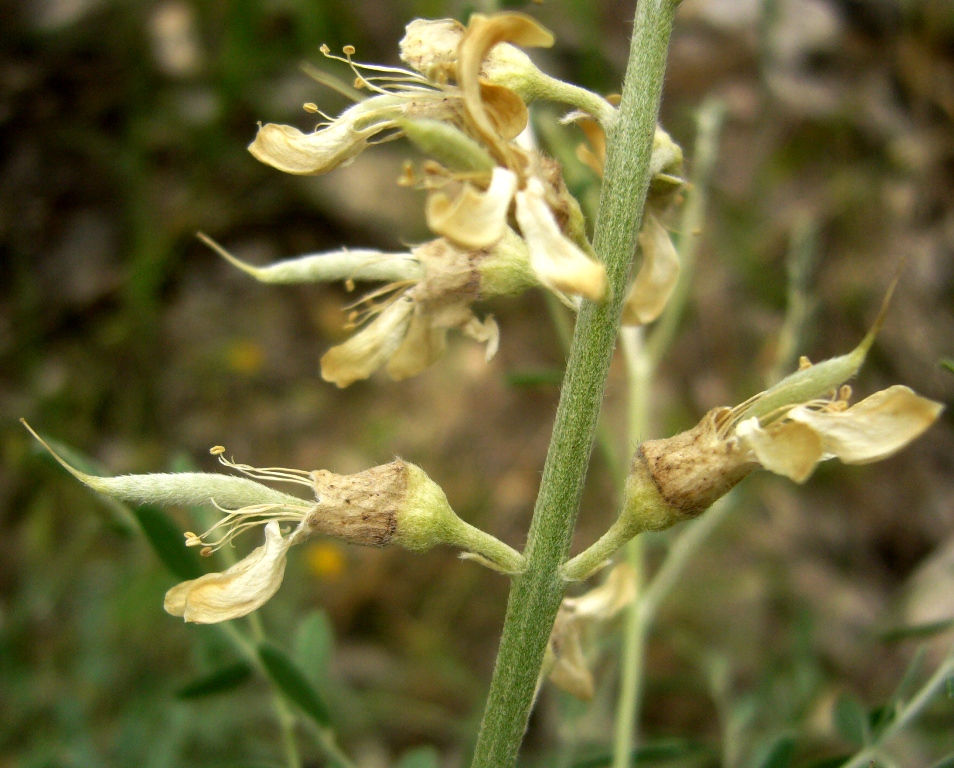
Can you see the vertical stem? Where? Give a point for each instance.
(639, 374)
(536, 594)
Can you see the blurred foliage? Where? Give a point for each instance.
(123, 127)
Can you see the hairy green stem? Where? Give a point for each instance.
(536, 594)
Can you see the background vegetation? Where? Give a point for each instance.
(123, 127)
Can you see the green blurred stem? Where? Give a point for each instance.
(286, 715)
(642, 359)
(536, 594)
(937, 681)
(639, 372)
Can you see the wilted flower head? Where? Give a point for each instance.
(395, 503)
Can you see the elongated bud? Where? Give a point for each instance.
(188, 489)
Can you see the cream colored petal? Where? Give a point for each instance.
(875, 428)
(559, 264)
(657, 275)
(608, 599)
(367, 350)
(786, 448)
(570, 671)
(485, 331)
(423, 344)
(474, 219)
(236, 592)
(309, 154)
(483, 33)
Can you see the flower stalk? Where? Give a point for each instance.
(537, 593)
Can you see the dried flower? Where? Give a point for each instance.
(395, 503)
(787, 429)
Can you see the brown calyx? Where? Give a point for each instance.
(695, 468)
(360, 508)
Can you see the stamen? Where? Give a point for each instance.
(280, 474)
(237, 521)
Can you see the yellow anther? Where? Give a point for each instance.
(217, 450)
(348, 50)
(803, 363)
(310, 107)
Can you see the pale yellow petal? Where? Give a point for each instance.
(370, 348)
(559, 264)
(485, 331)
(483, 33)
(474, 218)
(423, 344)
(236, 592)
(786, 448)
(875, 428)
(608, 599)
(570, 671)
(657, 275)
(308, 154)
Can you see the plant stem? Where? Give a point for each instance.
(639, 373)
(536, 594)
(936, 682)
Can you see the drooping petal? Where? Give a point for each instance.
(485, 331)
(608, 599)
(367, 350)
(423, 344)
(483, 33)
(236, 592)
(308, 154)
(873, 429)
(474, 219)
(657, 275)
(787, 448)
(559, 264)
(570, 672)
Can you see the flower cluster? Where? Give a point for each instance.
(504, 218)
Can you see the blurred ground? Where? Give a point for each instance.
(123, 128)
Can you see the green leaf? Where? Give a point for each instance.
(851, 720)
(946, 363)
(945, 762)
(293, 682)
(167, 540)
(222, 680)
(777, 754)
(896, 634)
(422, 757)
(314, 641)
